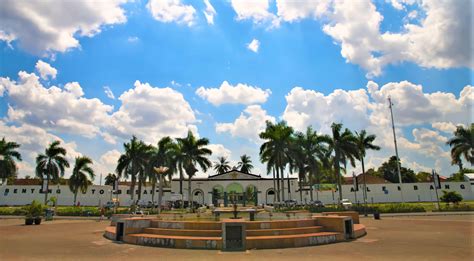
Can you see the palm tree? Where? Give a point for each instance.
(221, 165)
(276, 150)
(110, 179)
(365, 142)
(161, 156)
(132, 162)
(344, 146)
(462, 144)
(51, 164)
(245, 164)
(192, 151)
(309, 156)
(8, 154)
(81, 173)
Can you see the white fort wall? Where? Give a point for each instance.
(96, 195)
(12, 195)
(380, 193)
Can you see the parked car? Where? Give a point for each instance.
(290, 202)
(346, 203)
(316, 203)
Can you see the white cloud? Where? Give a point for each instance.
(291, 11)
(151, 113)
(229, 94)
(168, 11)
(146, 111)
(254, 45)
(53, 108)
(209, 12)
(440, 40)
(107, 162)
(45, 70)
(400, 4)
(248, 125)
(361, 109)
(413, 106)
(219, 150)
(255, 10)
(109, 92)
(43, 27)
(34, 140)
(305, 107)
(447, 127)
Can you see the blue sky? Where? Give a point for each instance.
(320, 48)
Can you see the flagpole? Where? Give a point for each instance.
(396, 149)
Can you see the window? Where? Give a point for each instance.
(384, 188)
(462, 186)
(446, 186)
(415, 187)
(398, 187)
(431, 187)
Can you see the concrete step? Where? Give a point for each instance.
(286, 241)
(277, 224)
(192, 225)
(183, 232)
(171, 241)
(284, 231)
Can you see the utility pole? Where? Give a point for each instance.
(396, 149)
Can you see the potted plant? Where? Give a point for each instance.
(33, 213)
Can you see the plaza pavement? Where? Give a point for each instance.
(448, 237)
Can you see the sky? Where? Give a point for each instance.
(93, 73)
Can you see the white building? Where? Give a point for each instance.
(235, 185)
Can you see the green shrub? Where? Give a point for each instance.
(77, 211)
(361, 208)
(400, 208)
(451, 196)
(457, 207)
(12, 211)
(35, 209)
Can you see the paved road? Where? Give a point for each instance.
(392, 238)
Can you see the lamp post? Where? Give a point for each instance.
(160, 171)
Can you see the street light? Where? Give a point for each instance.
(160, 171)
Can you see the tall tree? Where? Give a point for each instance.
(388, 170)
(364, 143)
(221, 165)
(161, 156)
(276, 150)
(51, 164)
(79, 180)
(193, 151)
(309, 156)
(8, 154)
(110, 179)
(132, 162)
(344, 146)
(462, 145)
(245, 164)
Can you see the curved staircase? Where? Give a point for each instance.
(258, 234)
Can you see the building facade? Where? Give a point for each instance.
(243, 188)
